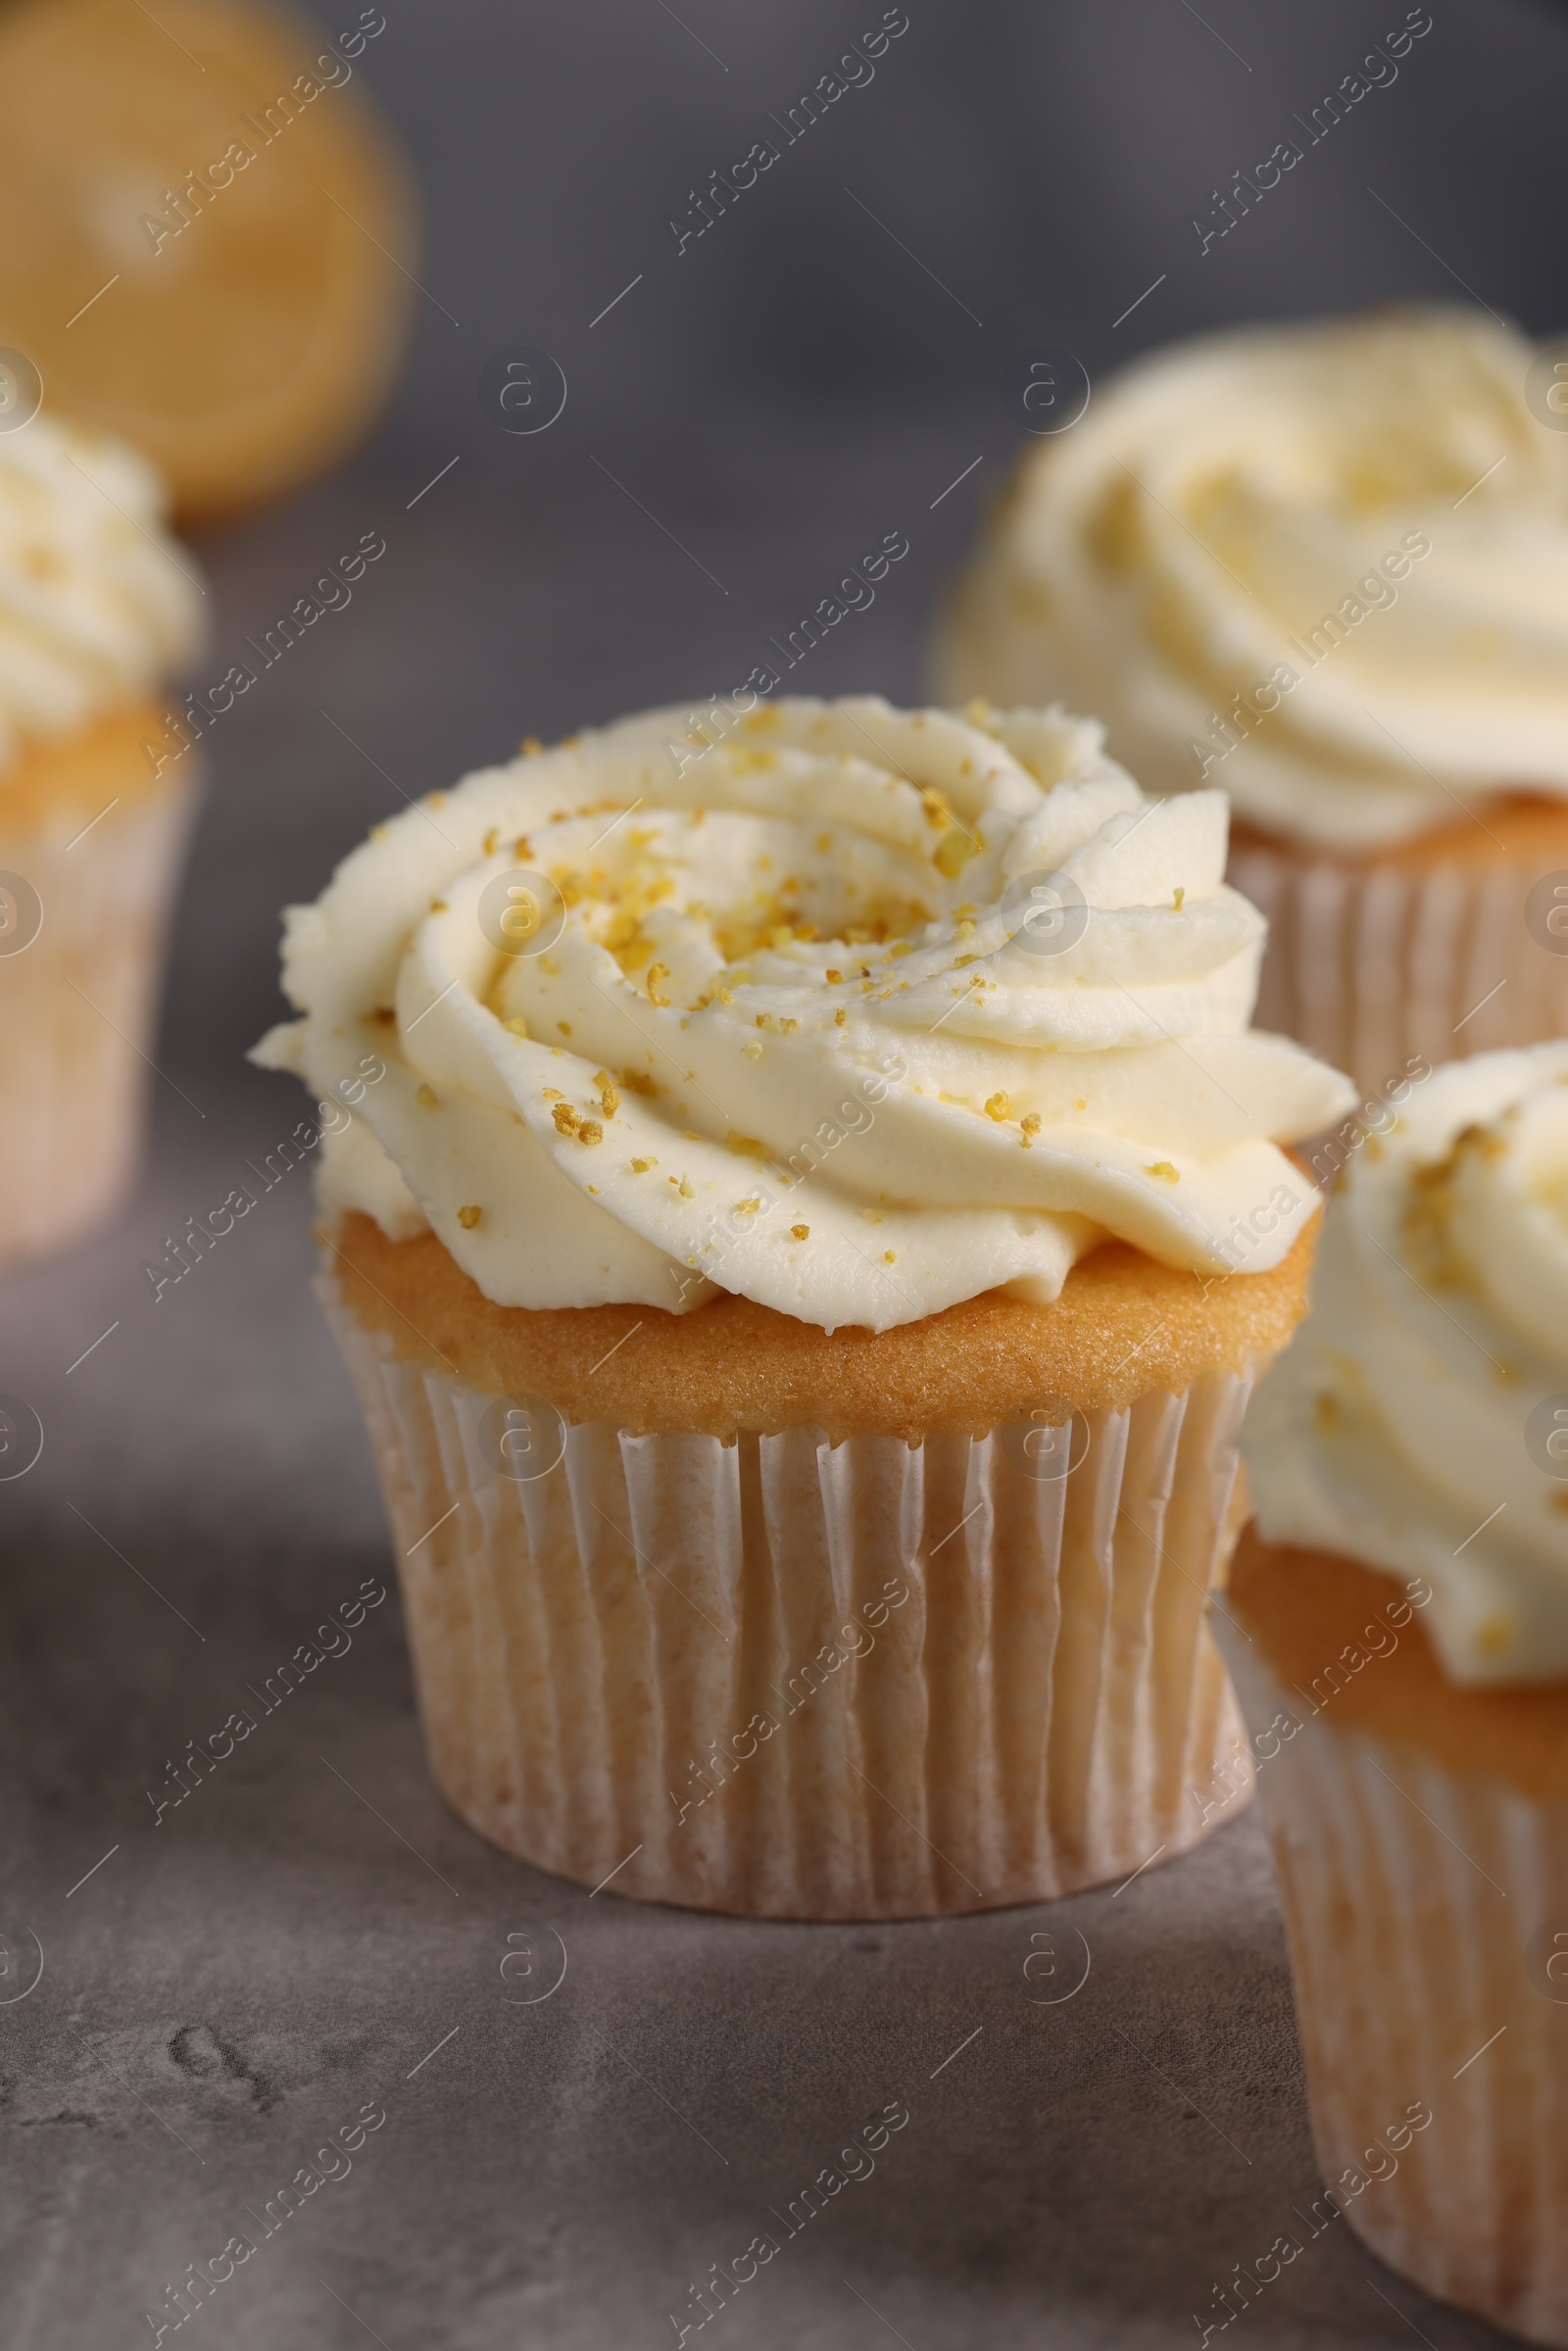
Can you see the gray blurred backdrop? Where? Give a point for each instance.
(756, 410)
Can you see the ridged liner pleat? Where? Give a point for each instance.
(1372, 966)
(1410, 1896)
(983, 1689)
(78, 1009)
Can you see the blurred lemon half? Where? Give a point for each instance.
(208, 231)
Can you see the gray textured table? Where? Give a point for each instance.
(311, 1933)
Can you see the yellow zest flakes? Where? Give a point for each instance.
(726, 995)
(753, 1049)
(841, 1018)
(686, 1190)
(954, 852)
(834, 978)
(745, 1147)
(1164, 1170)
(1030, 1123)
(656, 974)
(936, 811)
(380, 832)
(566, 1119)
(468, 1218)
(964, 929)
(426, 1097)
(978, 712)
(788, 1027)
(747, 1207)
(522, 848)
(609, 1093)
(565, 1027)
(553, 1093)
(962, 962)
(517, 1026)
(764, 1020)
(531, 746)
(489, 849)
(593, 1188)
(822, 844)
(438, 905)
(637, 1081)
(1180, 895)
(641, 1166)
(590, 1131)
(899, 946)
(800, 1231)
(997, 1106)
(889, 1257)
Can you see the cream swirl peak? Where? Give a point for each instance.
(97, 604)
(855, 1012)
(1419, 1419)
(1325, 566)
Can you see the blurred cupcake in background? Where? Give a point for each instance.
(209, 234)
(812, 1219)
(97, 607)
(1326, 567)
(1398, 1637)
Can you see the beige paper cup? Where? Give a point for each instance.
(87, 874)
(792, 1679)
(1454, 945)
(1426, 1909)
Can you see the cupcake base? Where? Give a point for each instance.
(1420, 1831)
(1429, 951)
(90, 849)
(794, 1673)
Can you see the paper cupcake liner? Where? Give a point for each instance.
(797, 1680)
(1427, 1917)
(78, 1003)
(1368, 966)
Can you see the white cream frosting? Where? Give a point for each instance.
(97, 602)
(1219, 501)
(1412, 1422)
(789, 1042)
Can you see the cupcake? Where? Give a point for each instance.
(1326, 567)
(802, 1211)
(1400, 1639)
(97, 604)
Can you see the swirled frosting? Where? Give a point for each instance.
(97, 604)
(852, 1011)
(1419, 1419)
(1324, 566)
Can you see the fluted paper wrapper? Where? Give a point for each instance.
(1420, 1910)
(1369, 966)
(797, 1680)
(78, 1005)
